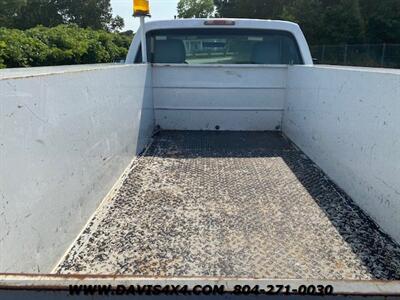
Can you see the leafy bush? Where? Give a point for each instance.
(60, 45)
(2, 50)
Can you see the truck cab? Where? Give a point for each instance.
(222, 41)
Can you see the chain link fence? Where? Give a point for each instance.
(365, 55)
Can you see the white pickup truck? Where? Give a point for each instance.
(241, 163)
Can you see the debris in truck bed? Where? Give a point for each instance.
(234, 204)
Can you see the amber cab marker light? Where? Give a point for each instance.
(141, 8)
(220, 22)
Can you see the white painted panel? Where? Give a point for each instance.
(227, 120)
(231, 97)
(347, 121)
(225, 99)
(65, 138)
(219, 76)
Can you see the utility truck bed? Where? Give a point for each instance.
(244, 163)
(232, 204)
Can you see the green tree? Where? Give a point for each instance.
(9, 9)
(61, 45)
(21, 50)
(2, 52)
(116, 24)
(195, 8)
(343, 22)
(96, 14)
(323, 21)
(38, 12)
(307, 13)
(23, 14)
(255, 9)
(327, 21)
(382, 20)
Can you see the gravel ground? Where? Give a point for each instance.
(246, 204)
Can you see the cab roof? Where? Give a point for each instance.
(238, 23)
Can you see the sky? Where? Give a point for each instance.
(160, 9)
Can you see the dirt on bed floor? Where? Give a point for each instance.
(233, 204)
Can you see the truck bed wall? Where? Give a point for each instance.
(348, 121)
(66, 135)
(230, 97)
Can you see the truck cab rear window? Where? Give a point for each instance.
(223, 46)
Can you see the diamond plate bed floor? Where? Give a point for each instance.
(231, 204)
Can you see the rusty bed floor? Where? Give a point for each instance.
(243, 204)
